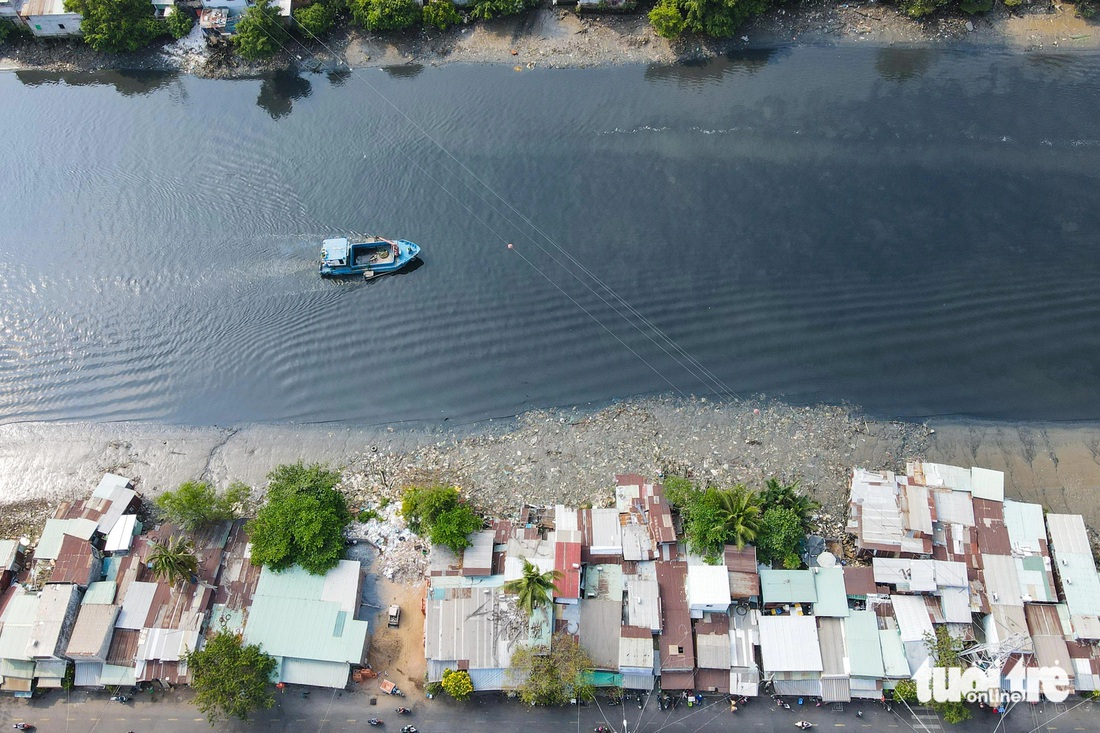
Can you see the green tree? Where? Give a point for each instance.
(457, 684)
(6, 28)
(553, 676)
(437, 512)
(489, 9)
(303, 520)
(787, 497)
(385, 15)
(441, 13)
(715, 518)
(229, 679)
(680, 492)
(906, 691)
(778, 537)
(195, 504)
(533, 589)
(179, 23)
(945, 651)
(174, 561)
(117, 26)
(715, 18)
(259, 33)
(316, 19)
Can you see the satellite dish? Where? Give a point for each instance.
(826, 560)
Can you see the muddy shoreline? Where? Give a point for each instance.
(565, 455)
(556, 37)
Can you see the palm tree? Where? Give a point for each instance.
(534, 589)
(740, 515)
(787, 497)
(173, 561)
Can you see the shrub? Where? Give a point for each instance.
(906, 690)
(385, 15)
(316, 19)
(116, 26)
(260, 33)
(680, 491)
(489, 9)
(778, 537)
(715, 18)
(441, 13)
(666, 19)
(437, 512)
(195, 504)
(457, 684)
(179, 23)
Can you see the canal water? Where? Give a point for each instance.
(910, 230)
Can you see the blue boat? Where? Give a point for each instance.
(369, 258)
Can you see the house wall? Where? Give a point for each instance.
(235, 5)
(52, 26)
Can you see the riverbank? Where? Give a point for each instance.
(555, 37)
(555, 456)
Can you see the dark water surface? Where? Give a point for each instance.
(914, 231)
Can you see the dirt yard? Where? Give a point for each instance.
(398, 654)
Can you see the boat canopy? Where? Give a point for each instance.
(334, 250)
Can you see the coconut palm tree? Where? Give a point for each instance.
(533, 589)
(787, 497)
(174, 561)
(740, 515)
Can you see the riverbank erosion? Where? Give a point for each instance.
(556, 37)
(565, 456)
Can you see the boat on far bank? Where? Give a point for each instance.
(370, 258)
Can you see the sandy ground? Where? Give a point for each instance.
(397, 654)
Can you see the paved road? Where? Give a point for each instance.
(337, 712)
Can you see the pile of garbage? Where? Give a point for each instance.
(188, 54)
(403, 555)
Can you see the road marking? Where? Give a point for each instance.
(167, 718)
(196, 718)
(838, 725)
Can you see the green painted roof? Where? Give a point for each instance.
(21, 668)
(832, 598)
(864, 647)
(306, 617)
(101, 593)
(49, 544)
(114, 674)
(313, 672)
(788, 586)
(894, 662)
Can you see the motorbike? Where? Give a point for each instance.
(803, 725)
(120, 698)
(22, 726)
(375, 721)
(403, 711)
(601, 729)
(410, 729)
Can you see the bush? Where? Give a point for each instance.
(457, 684)
(441, 14)
(906, 690)
(680, 492)
(385, 15)
(489, 9)
(195, 504)
(666, 20)
(778, 537)
(715, 18)
(316, 19)
(179, 23)
(437, 512)
(259, 33)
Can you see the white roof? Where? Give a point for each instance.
(912, 616)
(1001, 583)
(136, 605)
(988, 484)
(166, 645)
(919, 513)
(636, 652)
(121, 535)
(941, 474)
(606, 532)
(712, 651)
(708, 585)
(1067, 533)
(108, 484)
(50, 623)
(876, 495)
(956, 605)
(954, 507)
(342, 586)
(119, 502)
(643, 601)
(950, 574)
(790, 644)
(918, 576)
(1025, 526)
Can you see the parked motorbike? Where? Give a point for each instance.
(403, 711)
(119, 698)
(410, 729)
(803, 725)
(375, 721)
(22, 726)
(601, 729)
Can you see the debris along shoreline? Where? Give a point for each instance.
(556, 37)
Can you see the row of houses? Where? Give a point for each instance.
(85, 604)
(938, 545)
(50, 19)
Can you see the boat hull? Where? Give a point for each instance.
(404, 252)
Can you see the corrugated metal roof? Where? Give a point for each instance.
(341, 586)
(956, 605)
(859, 581)
(86, 674)
(490, 679)
(677, 644)
(918, 511)
(744, 633)
(136, 605)
(108, 484)
(1005, 621)
(314, 672)
(119, 502)
(21, 668)
(567, 561)
(790, 644)
(113, 674)
(954, 507)
(102, 592)
(802, 687)
(987, 484)
(950, 574)
(635, 649)
(1001, 584)
(52, 621)
(893, 654)
(832, 598)
(122, 534)
(862, 635)
(14, 639)
(638, 681)
(50, 669)
(1026, 529)
(1068, 534)
(835, 689)
(1034, 574)
(940, 474)
(600, 625)
(787, 586)
(834, 648)
(643, 604)
(477, 559)
(8, 551)
(912, 617)
(468, 624)
(708, 587)
(606, 533)
(91, 635)
(1080, 584)
(53, 534)
(303, 617)
(712, 651)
